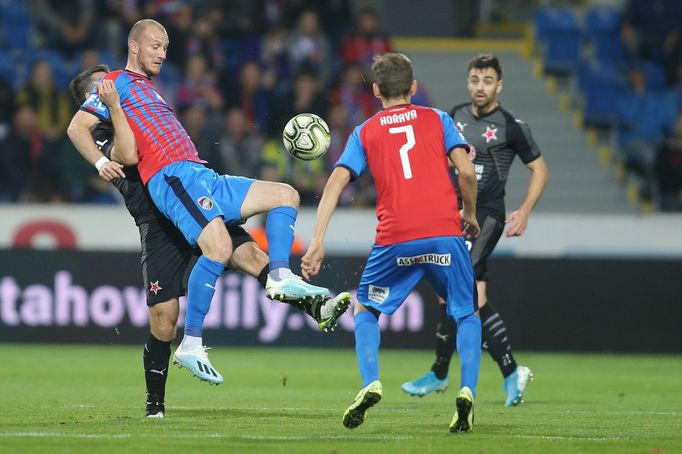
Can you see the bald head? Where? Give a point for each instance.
(147, 46)
(140, 26)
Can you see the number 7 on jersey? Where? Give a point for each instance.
(407, 146)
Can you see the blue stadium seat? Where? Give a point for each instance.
(602, 26)
(559, 33)
(655, 77)
(8, 67)
(602, 85)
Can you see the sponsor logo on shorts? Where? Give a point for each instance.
(205, 203)
(436, 259)
(378, 294)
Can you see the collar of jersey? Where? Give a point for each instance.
(499, 105)
(134, 74)
(408, 104)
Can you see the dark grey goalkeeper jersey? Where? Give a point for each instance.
(496, 138)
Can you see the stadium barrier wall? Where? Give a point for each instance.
(549, 304)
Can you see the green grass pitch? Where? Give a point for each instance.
(56, 398)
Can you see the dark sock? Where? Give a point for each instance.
(155, 359)
(495, 336)
(263, 276)
(263, 279)
(445, 343)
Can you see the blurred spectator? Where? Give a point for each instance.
(645, 119)
(366, 41)
(669, 170)
(28, 167)
(64, 24)
(340, 128)
(199, 85)
(354, 93)
(275, 57)
(251, 94)
(50, 104)
(309, 47)
(652, 30)
(7, 101)
(307, 96)
(238, 149)
(199, 126)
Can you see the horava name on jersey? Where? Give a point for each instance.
(436, 259)
(398, 118)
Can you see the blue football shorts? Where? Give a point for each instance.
(392, 272)
(191, 195)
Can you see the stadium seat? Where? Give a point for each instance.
(7, 67)
(602, 27)
(559, 34)
(601, 86)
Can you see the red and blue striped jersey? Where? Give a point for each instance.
(161, 139)
(406, 148)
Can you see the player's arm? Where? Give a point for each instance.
(466, 177)
(518, 220)
(312, 260)
(124, 151)
(79, 131)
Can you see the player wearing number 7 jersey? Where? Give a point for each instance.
(408, 148)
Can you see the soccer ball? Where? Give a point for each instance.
(306, 137)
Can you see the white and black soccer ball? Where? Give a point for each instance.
(306, 137)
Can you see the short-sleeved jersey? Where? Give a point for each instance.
(161, 139)
(137, 199)
(406, 148)
(496, 138)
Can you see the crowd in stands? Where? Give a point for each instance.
(627, 60)
(236, 71)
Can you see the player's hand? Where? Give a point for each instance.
(108, 93)
(312, 260)
(518, 222)
(470, 226)
(111, 170)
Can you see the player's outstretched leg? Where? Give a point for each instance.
(282, 284)
(367, 340)
(463, 420)
(515, 385)
(437, 378)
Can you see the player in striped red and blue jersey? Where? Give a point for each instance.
(195, 198)
(408, 149)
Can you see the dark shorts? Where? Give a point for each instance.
(491, 223)
(167, 259)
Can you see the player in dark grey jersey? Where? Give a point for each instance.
(166, 256)
(496, 137)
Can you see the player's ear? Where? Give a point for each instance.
(376, 91)
(499, 87)
(413, 88)
(133, 47)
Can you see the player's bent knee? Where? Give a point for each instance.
(215, 242)
(163, 318)
(289, 196)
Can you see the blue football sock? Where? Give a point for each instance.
(200, 290)
(279, 230)
(469, 349)
(367, 340)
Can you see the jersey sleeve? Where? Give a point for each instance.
(522, 142)
(452, 138)
(354, 158)
(96, 107)
(103, 135)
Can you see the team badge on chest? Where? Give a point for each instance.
(489, 134)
